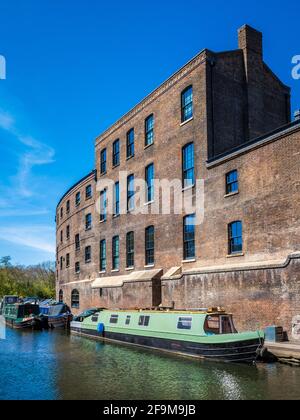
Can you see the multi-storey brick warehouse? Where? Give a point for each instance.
(223, 118)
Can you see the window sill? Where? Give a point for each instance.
(102, 221)
(116, 216)
(129, 157)
(192, 260)
(231, 194)
(88, 262)
(102, 272)
(88, 198)
(77, 205)
(186, 122)
(190, 187)
(88, 229)
(115, 271)
(149, 266)
(77, 274)
(115, 166)
(103, 174)
(129, 269)
(148, 146)
(149, 203)
(238, 254)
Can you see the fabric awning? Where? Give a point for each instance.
(134, 276)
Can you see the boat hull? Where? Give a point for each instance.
(18, 325)
(59, 322)
(244, 351)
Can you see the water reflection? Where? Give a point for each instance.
(55, 365)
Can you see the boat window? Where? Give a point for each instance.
(212, 325)
(144, 321)
(128, 319)
(114, 319)
(227, 325)
(185, 323)
(95, 318)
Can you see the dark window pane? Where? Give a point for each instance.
(88, 254)
(77, 199)
(77, 242)
(149, 245)
(103, 161)
(75, 299)
(88, 192)
(114, 319)
(116, 153)
(103, 255)
(116, 252)
(130, 250)
(88, 222)
(130, 143)
(184, 323)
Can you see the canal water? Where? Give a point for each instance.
(55, 365)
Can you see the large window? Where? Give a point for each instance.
(117, 199)
(61, 263)
(188, 176)
(187, 104)
(77, 199)
(189, 237)
(149, 177)
(149, 245)
(235, 237)
(103, 161)
(62, 212)
(130, 250)
(103, 255)
(130, 143)
(68, 207)
(77, 242)
(75, 299)
(103, 206)
(149, 130)
(116, 153)
(232, 182)
(88, 222)
(88, 192)
(68, 260)
(130, 193)
(116, 253)
(88, 254)
(68, 232)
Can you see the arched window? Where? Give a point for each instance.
(61, 296)
(187, 104)
(75, 299)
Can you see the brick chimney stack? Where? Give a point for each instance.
(251, 40)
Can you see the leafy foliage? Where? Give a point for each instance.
(38, 281)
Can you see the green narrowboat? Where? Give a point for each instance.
(20, 315)
(205, 334)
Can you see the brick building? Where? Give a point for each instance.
(223, 118)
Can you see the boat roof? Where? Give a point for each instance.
(201, 311)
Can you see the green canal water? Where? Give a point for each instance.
(55, 365)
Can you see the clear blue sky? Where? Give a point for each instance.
(74, 67)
